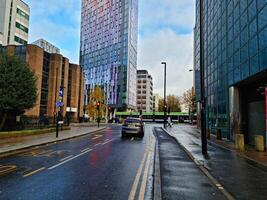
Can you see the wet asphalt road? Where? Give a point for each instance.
(96, 166)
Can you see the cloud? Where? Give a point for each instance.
(176, 50)
(57, 22)
(166, 34)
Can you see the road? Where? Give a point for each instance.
(96, 166)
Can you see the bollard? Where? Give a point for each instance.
(259, 143)
(239, 142)
(219, 134)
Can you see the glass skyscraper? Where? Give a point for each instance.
(108, 49)
(235, 65)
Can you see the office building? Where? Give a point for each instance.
(156, 99)
(52, 71)
(108, 50)
(144, 91)
(14, 22)
(46, 46)
(235, 65)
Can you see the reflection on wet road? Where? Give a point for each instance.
(96, 166)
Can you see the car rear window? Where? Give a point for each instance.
(132, 121)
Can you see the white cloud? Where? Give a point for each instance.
(176, 50)
(166, 34)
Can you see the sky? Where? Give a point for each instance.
(165, 34)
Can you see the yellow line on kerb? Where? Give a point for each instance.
(34, 172)
(137, 177)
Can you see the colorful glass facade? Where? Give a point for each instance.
(235, 56)
(108, 49)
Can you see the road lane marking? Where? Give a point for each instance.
(34, 172)
(61, 160)
(97, 144)
(108, 141)
(65, 161)
(96, 137)
(137, 178)
(85, 149)
(144, 180)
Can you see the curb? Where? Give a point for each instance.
(24, 149)
(213, 180)
(157, 176)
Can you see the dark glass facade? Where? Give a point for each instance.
(108, 49)
(235, 56)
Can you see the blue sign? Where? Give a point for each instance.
(61, 92)
(59, 104)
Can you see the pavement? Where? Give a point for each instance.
(241, 177)
(9, 145)
(95, 166)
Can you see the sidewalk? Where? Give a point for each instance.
(241, 177)
(10, 145)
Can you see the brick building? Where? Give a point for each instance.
(52, 72)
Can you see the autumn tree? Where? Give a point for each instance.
(173, 103)
(189, 100)
(17, 87)
(96, 96)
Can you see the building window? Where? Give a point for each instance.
(21, 27)
(19, 40)
(23, 14)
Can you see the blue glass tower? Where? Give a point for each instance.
(108, 49)
(235, 62)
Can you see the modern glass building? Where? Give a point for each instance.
(235, 63)
(108, 49)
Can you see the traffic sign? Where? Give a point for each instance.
(59, 104)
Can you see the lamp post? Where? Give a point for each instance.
(165, 108)
(202, 79)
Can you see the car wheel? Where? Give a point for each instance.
(141, 135)
(123, 135)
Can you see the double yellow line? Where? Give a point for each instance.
(144, 166)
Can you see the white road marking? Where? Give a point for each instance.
(61, 160)
(85, 149)
(61, 163)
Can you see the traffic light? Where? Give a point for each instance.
(98, 105)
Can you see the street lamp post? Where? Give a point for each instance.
(165, 110)
(202, 74)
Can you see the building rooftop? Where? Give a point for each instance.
(47, 46)
(143, 71)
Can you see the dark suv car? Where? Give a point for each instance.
(132, 126)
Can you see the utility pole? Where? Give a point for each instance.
(202, 78)
(165, 106)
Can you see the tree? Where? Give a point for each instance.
(17, 87)
(189, 100)
(173, 103)
(96, 96)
